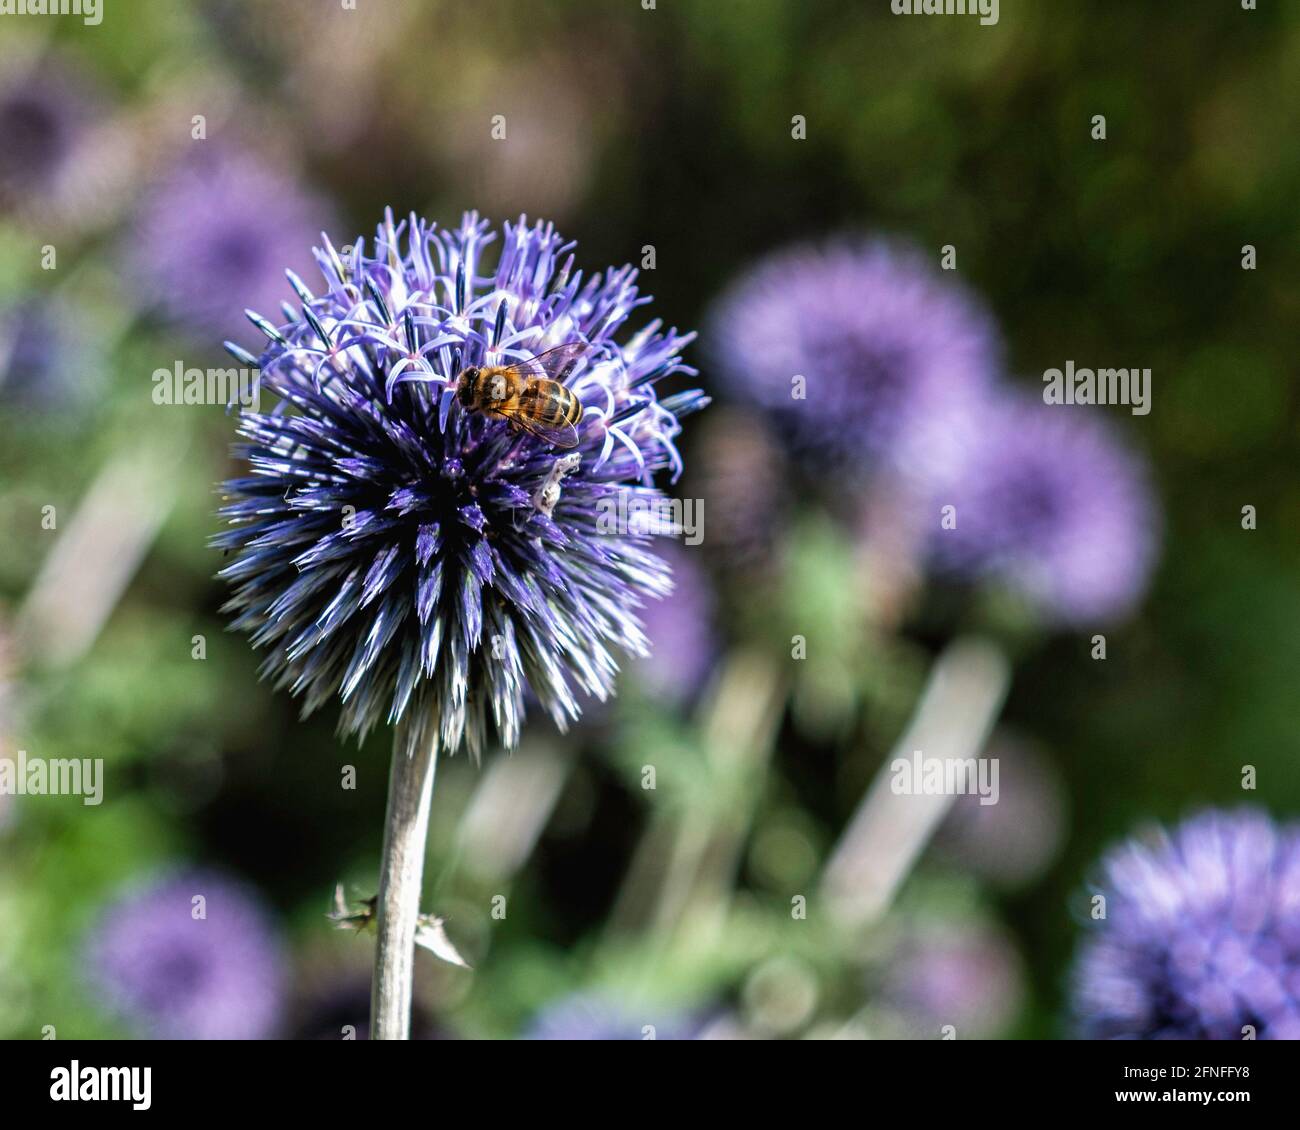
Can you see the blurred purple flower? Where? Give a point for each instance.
(680, 628)
(173, 975)
(1050, 503)
(1201, 937)
(968, 976)
(591, 1017)
(888, 348)
(43, 363)
(215, 236)
(46, 113)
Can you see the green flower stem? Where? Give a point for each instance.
(953, 720)
(406, 825)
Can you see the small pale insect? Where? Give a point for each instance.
(548, 494)
(531, 394)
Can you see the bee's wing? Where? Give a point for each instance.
(560, 435)
(553, 365)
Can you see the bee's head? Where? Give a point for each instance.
(467, 385)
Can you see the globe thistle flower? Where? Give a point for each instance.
(1201, 935)
(44, 365)
(414, 558)
(1050, 504)
(179, 969)
(683, 642)
(215, 236)
(887, 347)
(47, 115)
(431, 565)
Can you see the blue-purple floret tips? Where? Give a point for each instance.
(857, 348)
(216, 234)
(190, 956)
(1201, 935)
(1053, 506)
(396, 551)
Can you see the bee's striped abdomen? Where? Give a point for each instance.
(566, 407)
(549, 403)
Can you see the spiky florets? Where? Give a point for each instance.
(429, 563)
(1201, 935)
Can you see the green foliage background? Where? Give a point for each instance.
(671, 127)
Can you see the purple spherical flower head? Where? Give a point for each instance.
(216, 235)
(683, 644)
(1049, 503)
(886, 345)
(421, 560)
(592, 1017)
(1201, 938)
(45, 115)
(174, 974)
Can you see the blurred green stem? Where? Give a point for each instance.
(406, 825)
(83, 577)
(739, 731)
(886, 837)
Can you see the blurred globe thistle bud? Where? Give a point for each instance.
(1195, 934)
